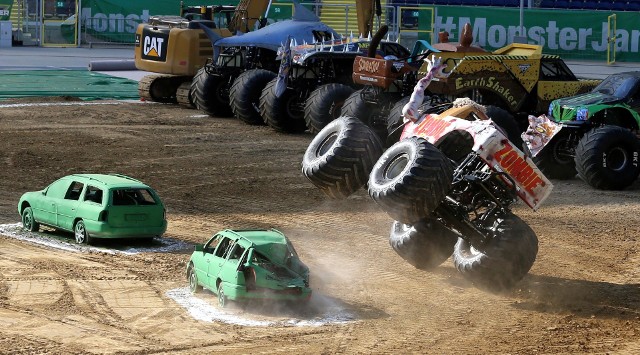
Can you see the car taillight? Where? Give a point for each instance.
(250, 278)
(103, 216)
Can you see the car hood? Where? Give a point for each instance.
(591, 98)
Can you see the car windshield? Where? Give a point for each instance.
(617, 85)
(129, 196)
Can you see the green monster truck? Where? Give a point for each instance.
(597, 137)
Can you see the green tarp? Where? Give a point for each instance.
(77, 83)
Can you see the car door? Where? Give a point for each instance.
(45, 209)
(217, 267)
(67, 207)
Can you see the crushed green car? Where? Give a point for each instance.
(95, 206)
(597, 135)
(240, 265)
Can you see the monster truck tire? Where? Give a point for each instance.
(505, 120)
(244, 96)
(355, 106)
(324, 105)
(607, 158)
(410, 180)
(424, 245)
(504, 260)
(211, 94)
(555, 160)
(282, 113)
(341, 156)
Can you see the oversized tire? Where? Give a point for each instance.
(211, 95)
(28, 222)
(80, 233)
(504, 260)
(424, 245)
(505, 120)
(556, 159)
(410, 180)
(341, 156)
(324, 105)
(607, 158)
(284, 113)
(355, 106)
(244, 96)
(194, 286)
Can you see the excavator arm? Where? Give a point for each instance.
(247, 13)
(365, 10)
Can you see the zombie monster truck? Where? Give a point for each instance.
(596, 135)
(448, 184)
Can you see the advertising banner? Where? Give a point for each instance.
(5, 9)
(574, 34)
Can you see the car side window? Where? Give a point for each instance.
(58, 188)
(221, 250)
(211, 246)
(237, 252)
(74, 191)
(93, 194)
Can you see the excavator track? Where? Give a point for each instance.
(161, 87)
(184, 96)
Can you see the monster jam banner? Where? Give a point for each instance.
(5, 9)
(574, 34)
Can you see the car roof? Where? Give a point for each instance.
(259, 237)
(108, 180)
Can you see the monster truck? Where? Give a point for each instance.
(318, 80)
(448, 184)
(597, 137)
(254, 50)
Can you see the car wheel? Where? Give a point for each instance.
(80, 233)
(194, 287)
(222, 299)
(28, 222)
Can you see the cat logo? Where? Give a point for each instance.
(154, 46)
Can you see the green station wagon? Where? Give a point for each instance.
(249, 264)
(96, 206)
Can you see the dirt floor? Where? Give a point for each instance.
(581, 296)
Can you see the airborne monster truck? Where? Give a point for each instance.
(452, 177)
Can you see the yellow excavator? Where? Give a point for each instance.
(175, 47)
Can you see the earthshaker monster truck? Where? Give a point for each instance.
(449, 184)
(596, 135)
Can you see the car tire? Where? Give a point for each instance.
(28, 222)
(222, 298)
(410, 180)
(504, 260)
(80, 233)
(283, 114)
(324, 105)
(245, 93)
(424, 245)
(211, 94)
(556, 159)
(340, 157)
(503, 119)
(194, 286)
(607, 158)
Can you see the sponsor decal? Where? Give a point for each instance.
(366, 78)
(433, 126)
(137, 43)
(489, 83)
(516, 166)
(524, 67)
(154, 46)
(370, 66)
(398, 65)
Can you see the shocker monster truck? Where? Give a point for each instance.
(596, 135)
(234, 55)
(449, 184)
(317, 80)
